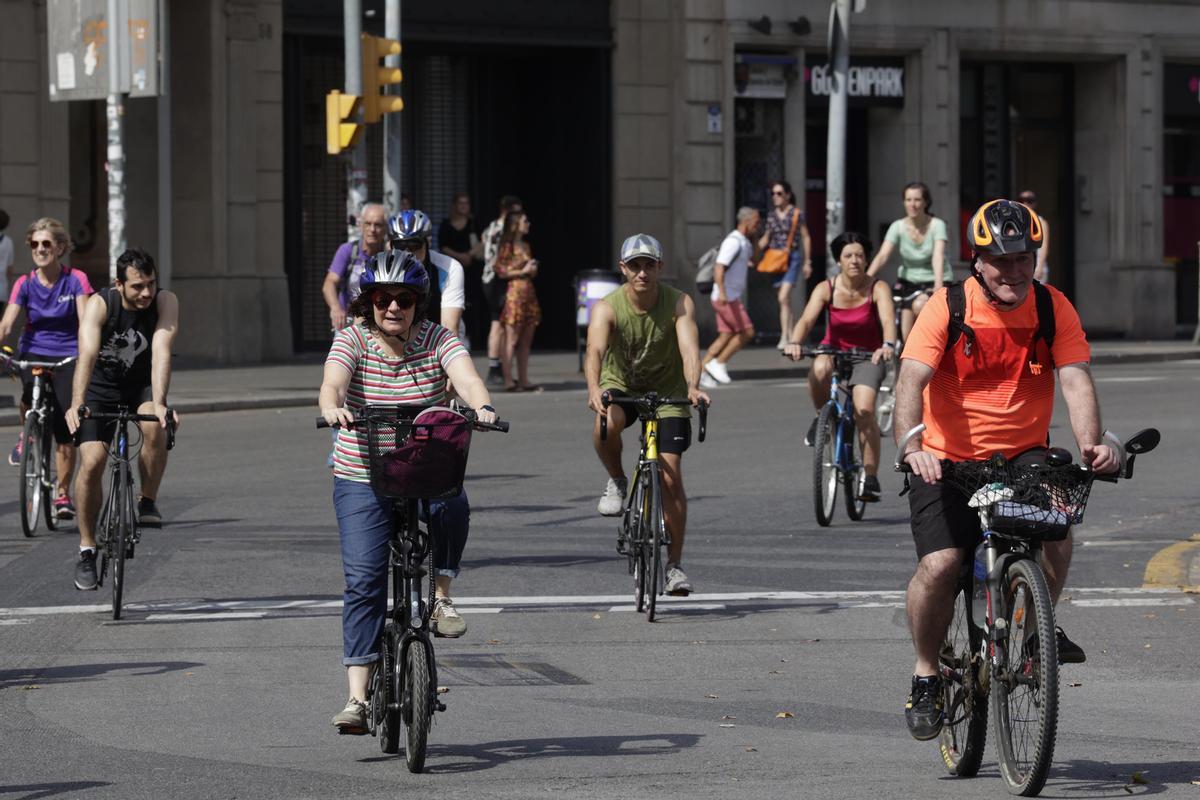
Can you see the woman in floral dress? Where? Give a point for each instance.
(521, 314)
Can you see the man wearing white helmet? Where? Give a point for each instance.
(643, 338)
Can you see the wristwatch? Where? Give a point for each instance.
(890, 344)
(487, 407)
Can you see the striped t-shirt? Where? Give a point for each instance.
(418, 377)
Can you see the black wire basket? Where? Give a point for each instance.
(416, 452)
(1031, 501)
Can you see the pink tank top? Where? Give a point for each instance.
(853, 327)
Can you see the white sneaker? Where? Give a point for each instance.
(352, 719)
(783, 342)
(718, 371)
(447, 622)
(708, 381)
(677, 581)
(613, 498)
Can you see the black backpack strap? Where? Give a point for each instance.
(1047, 325)
(956, 299)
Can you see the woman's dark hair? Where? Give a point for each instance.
(512, 223)
(849, 237)
(137, 258)
(362, 308)
(925, 195)
(787, 188)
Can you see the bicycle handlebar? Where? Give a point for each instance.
(650, 402)
(499, 425)
(854, 354)
(26, 364)
(128, 416)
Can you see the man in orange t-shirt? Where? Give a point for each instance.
(995, 395)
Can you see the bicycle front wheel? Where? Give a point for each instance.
(48, 476)
(31, 474)
(116, 553)
(965, 730)
(635, 531)
(855, 476)
(1025, 688)
(418, 709)
(655, 535)
(885, 403)
(385, 707)
(825, 473)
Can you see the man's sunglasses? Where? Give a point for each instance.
(383, 300)
(409, 246)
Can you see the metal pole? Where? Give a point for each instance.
(165, 233)
(356, 165)
(114, 113)
(391, 122)
(835, 158)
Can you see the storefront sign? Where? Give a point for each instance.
(1181, 90)
(764, 77)
(869, 82)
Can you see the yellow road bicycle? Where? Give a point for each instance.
(643, 533)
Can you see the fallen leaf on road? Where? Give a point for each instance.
(727, 725)
(784, 715)
(596, 616)
(188, 674)
(1074, 683)
(30, 687)
(711, 696)
(775, 672)
(751, 749)
(1149, 616)
(783, 661)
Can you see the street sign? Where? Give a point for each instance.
(77, 36)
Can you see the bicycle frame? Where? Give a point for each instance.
(411, 561)
(843, 443)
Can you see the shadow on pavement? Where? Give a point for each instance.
(493, 754)
(562, 560)
(1108, 779)
(77, 673)
(34, 791)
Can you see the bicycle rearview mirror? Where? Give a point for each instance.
(1143, 441)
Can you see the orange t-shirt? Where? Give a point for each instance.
(999, 399)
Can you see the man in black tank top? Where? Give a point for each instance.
(125, 340)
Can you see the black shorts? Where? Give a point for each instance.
(60, 392)
(674, 433)
(494, 294)
(941, 517)
(93, 430)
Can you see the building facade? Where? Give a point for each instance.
(607, 118)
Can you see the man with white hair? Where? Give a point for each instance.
(734, 329)
(643, 338)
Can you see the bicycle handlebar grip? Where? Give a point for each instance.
(170, 428)
(605, 400)
(499, 425)
(321, 423)
(703, 406)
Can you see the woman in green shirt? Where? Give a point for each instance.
(921, 239)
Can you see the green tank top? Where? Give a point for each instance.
(643, 351)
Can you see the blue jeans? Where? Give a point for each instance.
(364, 524)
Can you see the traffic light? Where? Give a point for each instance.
(376, 77)
(342, 130)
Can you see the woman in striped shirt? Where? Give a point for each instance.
(394, 355)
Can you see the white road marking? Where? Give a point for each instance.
(661, 605)
(15, 621)
(219, 615)
(889, 598)
(1130, 378)
(1111, 602)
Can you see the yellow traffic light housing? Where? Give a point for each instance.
(376, 77)
(341, 134)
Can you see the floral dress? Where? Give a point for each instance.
(520, 300)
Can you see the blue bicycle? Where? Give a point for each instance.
(837, 452)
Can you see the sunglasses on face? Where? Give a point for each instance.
(777, 193)
(41, 245)
(410, 247)
(383, 301)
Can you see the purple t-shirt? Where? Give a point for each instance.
(348, 273)
(51, 316)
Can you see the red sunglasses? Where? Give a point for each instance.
(383, 300)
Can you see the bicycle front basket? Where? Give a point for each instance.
(1046, 502)
(420, 457)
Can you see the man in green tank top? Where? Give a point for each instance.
(643, 338)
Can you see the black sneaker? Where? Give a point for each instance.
(495, 377)
(811, 436)
(1068, 651)
(85, 571)
(871, 490)
(148, 514)
(923, 712)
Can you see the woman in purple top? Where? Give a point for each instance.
(53, 297)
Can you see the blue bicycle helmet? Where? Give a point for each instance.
(396, 268)
(410, 226)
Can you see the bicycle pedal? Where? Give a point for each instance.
(439, 706)
(622, 547)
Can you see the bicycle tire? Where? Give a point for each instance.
(1026, 721)
(853, 480)
(31, 473)
(656, 527)
(636, 543)
(48, 481)
(419, 707)
(964, 732)
(385, 711)
(825, 477)
(885, 403)
(117, 544)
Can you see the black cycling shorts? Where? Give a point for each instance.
(494, 293)
(942, 519)
(93, 430)
(60, 392)
(674, 433)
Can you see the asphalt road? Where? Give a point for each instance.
(221, 680)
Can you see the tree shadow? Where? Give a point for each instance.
(82, 673)
(475, 758)
(34, 791)
(1080, 777)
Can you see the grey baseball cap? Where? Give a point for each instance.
(641, 245)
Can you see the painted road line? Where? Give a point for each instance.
(1171, 566)
(15, 621)
(1114, 602)
(197, 617)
